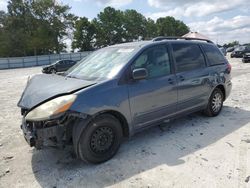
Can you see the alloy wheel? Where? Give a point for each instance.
(217, 102)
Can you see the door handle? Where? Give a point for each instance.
(181, 78)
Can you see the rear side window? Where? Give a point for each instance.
(69, 62)
(214, 56)
(188, 57)
(61, 63)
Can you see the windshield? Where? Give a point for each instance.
(102, 64)
(55, 62)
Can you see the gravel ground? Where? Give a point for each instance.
(193, 151)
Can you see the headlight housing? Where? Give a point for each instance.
(51, 108)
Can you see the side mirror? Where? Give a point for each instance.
(140, 74)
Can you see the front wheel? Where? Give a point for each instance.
(53, 71)
(101, 140)
(215, 103)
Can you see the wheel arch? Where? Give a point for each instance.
(222, 88)
(120, 117)
(207, 110)
(80, 126)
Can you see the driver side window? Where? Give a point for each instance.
(155, 60)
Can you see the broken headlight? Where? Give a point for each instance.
(51, 108)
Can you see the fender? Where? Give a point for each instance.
(78, 128)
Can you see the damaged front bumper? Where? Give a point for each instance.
(56, 132)
(35, 134)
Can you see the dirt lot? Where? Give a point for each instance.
(194, 151)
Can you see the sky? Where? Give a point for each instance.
(221, 21)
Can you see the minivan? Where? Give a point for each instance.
(122, 89)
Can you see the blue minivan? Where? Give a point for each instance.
(122, 89)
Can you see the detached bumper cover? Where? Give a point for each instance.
(57, 131)
(36, 137)
(28, 135)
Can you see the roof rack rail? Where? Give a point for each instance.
(180, 38)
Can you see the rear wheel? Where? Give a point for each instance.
(101, 140)
(215, 103)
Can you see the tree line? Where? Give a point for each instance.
(37, 27)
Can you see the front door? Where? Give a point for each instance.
(60, 66)
(154, 98)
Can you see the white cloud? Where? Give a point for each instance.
(177, 13)
(219, 28)
(224, 30)
(3, 5)
(188, 8)
(113, 3)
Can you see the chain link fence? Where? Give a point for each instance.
(31, 61)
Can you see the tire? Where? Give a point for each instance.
(53, 71)
(101, 139)
(215, 103)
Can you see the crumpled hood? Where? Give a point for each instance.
(43, 87)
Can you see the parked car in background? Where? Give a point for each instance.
(239, 51)
(246, 57)
(59, 66)
(223, 50)
(230, 49)
(122, 89)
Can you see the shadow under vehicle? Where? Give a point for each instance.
(167, 145)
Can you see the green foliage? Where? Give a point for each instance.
(36, 27)
(168, 26)
(83, 35)
(151, 29)
(231, 44)
(135, 25)
(114, 26)
(109, 27)
(3, 34)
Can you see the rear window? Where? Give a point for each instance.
(215, 57)
(187, 57)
